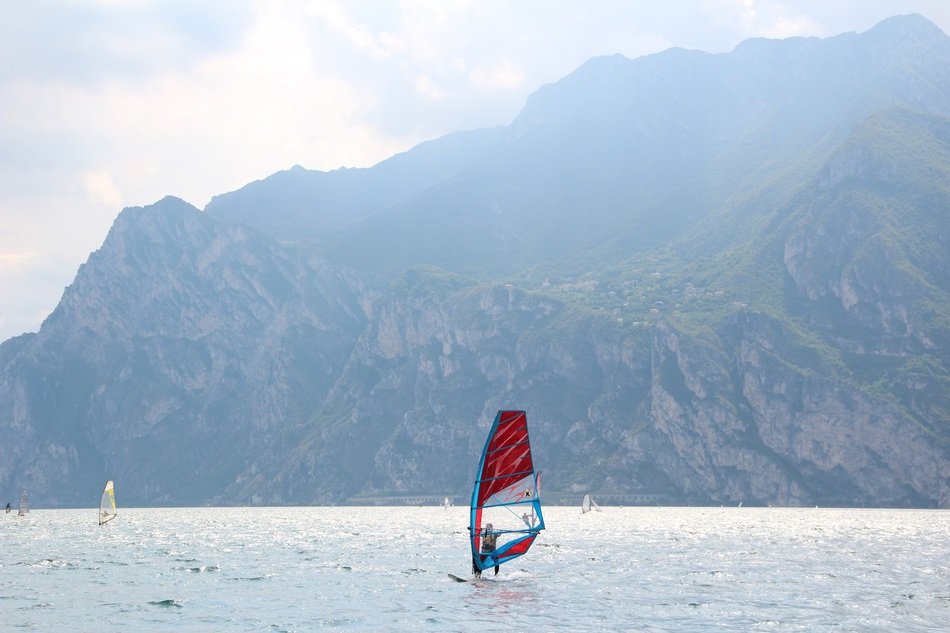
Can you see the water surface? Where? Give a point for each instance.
(385, 569)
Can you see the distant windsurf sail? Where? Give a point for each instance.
(506, 505)
(24, 503)
(107, 504)
(589, 504)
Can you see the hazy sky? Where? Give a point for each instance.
(113, 103)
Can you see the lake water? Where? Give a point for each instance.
(385, 569)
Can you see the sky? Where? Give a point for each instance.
(106, 104)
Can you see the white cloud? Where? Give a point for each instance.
(10, 262)
(335, 16)
(101, 188)
(762, 18)
(501, 76)
(426, 87)
(231, 118)
(790, 26)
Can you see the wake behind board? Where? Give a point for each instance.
(458, 578)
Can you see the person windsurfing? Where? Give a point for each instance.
(489, 539)
(8, 508)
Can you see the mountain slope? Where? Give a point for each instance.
(300, 204)
(625, 155)
(728, 281)
(182, 348)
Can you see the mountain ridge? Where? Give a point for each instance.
(719, 295)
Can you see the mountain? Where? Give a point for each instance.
(165, 359)
(708, 278)
(298, 203)
(625, 155)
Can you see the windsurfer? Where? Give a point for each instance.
(489, 539)
(8, 506)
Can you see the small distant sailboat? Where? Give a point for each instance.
(447, 503)
(589, 504)
(107, 504)
(24, 504)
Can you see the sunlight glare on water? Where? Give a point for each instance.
(385, 569)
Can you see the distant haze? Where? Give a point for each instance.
(108, 104)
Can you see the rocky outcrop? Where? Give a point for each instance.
(869, 243)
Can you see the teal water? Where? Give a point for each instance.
(385, 569)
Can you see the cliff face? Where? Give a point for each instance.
(667, 414)
(873, 246)
(204, 375)
(786, 342)
(174, 356)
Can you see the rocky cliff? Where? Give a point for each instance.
(182, 349)
(694, 304)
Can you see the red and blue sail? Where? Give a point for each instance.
(506, 500)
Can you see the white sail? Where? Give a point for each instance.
(107, 504)
(589, 504)
(24, 503)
